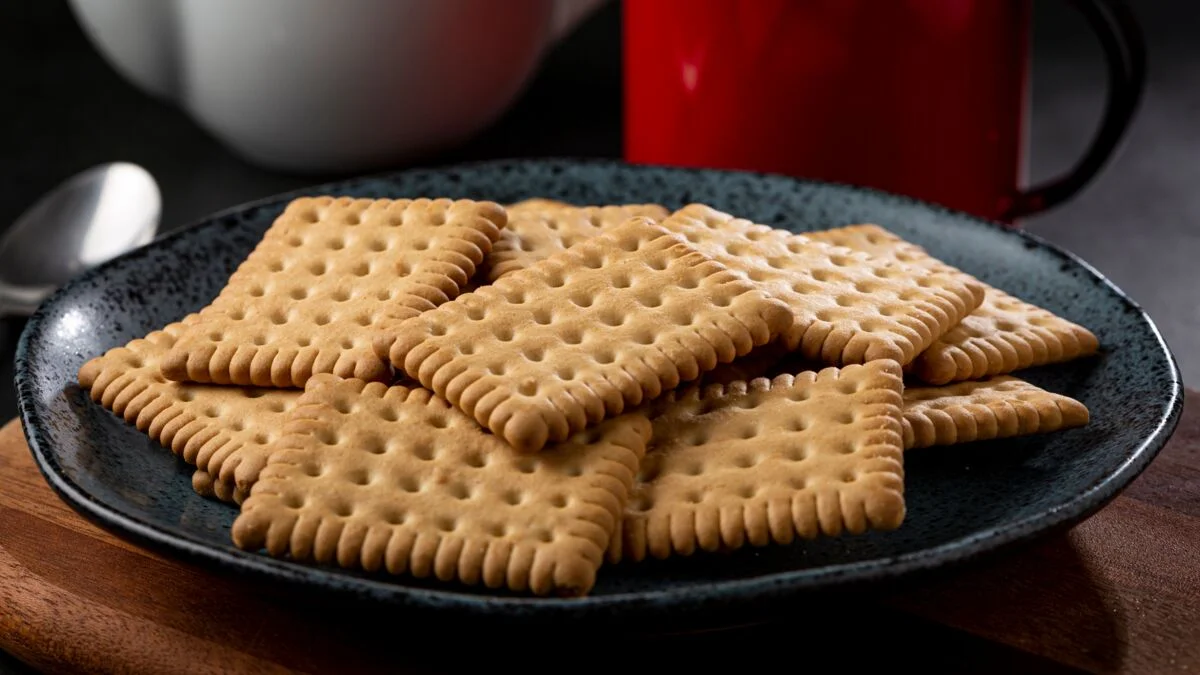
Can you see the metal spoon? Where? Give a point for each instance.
(92, 217)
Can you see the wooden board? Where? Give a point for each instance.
(1119, 593)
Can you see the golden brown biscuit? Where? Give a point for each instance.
(325, 273)
(584, 334)
(1003, 335)
(396, 479)
(224, 431)
(764, 461)
(848, 307)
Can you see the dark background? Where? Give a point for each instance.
(63, 109)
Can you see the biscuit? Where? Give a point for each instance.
(325, 273)
(1003, 335)
(224, 431)
(392, 478)
(1002, 407)
(764, 461)
(848, 307)
(582, 335)
(538, 228)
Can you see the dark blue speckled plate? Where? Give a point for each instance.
(962, 501)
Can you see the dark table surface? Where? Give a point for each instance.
(64, 109)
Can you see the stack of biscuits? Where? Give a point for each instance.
(515, 396)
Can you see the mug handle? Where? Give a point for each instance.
(1124, 49)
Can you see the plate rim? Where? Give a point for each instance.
(697, 596)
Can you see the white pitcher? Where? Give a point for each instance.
(331, 85)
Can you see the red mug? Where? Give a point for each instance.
(926, 98)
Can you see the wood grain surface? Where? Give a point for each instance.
(1118, 593)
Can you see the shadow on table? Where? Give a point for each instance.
(1051, 603)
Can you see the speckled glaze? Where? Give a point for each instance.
(962, 501)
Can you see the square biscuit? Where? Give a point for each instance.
(224, 431)
(768, 460)
(395, 478)
(1000, 407)
(1002, 335)
(848, 307)
(324, 275)
(538, 228)
(580, 336)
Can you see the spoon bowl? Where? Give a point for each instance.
(89, 219)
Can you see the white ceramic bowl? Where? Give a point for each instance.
(324, 85)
